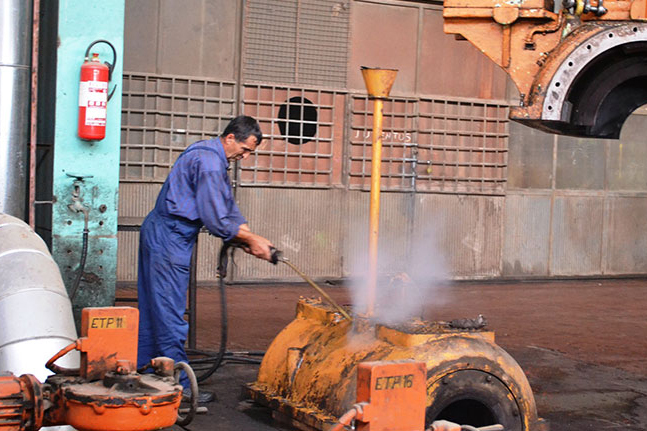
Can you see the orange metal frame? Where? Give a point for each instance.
(520, 35)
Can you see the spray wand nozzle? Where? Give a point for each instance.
(278, 256)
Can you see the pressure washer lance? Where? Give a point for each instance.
(277, 256)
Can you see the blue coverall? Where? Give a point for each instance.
(197, 192)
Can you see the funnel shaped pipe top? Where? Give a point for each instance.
(378, 81)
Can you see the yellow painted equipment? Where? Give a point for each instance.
(310, 371)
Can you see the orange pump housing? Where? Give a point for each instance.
(105, 393)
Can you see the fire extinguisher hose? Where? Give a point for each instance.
(111, 66)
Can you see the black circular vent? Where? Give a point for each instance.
(298, 120)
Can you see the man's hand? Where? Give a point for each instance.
(254, 244)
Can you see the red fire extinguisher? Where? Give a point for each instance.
(93, 95)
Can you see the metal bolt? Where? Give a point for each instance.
(102, 208)
(488, 379)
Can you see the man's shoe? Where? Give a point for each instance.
(204, 397)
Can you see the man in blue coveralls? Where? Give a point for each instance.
(197, 192)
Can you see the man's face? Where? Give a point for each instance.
(235, 150)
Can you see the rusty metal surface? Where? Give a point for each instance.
(184, 38)
(530, 158)
(442, 56)
(577, 232)
(21, 403)
(321, 383)
(297, 41)
(164, 114)
(526, 233)
(305, 224)
(547, 56)
(383, 36)
(625, 243)
(466, 231)
(580, 163)
(319, 126)
(626, 158)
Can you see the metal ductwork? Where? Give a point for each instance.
(15, 84)
(35, 312)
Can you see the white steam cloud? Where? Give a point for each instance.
(409, 276)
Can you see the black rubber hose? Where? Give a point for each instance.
(223, 260)
(84, 255)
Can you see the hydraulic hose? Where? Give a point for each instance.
(223, 261)
(84, 255)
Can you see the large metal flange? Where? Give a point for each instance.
(555, 105)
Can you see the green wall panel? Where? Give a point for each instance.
(80, 23)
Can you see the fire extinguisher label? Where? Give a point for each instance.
(93, 95)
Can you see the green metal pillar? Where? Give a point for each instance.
(80, 22)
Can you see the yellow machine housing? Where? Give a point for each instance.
(309, 372)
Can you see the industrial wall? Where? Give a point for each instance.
(465, 191)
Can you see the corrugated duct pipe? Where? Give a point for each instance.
(35, 312)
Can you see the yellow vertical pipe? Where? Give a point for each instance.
(378, 84)
(374, 209)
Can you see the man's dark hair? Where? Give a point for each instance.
(243, 127)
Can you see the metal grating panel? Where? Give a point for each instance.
(297, 41)
(315, 163)
(127, 250)
(162, 115)
(433, 145)
(577, 235)
(466, 230)
(399, 142)
(526, 235)
(305, 224)
(626, 239)
(462, 146)
(137, 199)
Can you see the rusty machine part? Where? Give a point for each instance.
(309, 370)
(391, 396)
(106, 393)
(579, 72)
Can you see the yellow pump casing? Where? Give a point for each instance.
(309, 372)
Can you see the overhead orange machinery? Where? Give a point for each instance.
(580, 71)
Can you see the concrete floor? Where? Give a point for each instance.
(582, 344)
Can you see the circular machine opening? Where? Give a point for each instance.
(473, 397)
(298, 120)
(468, 412)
